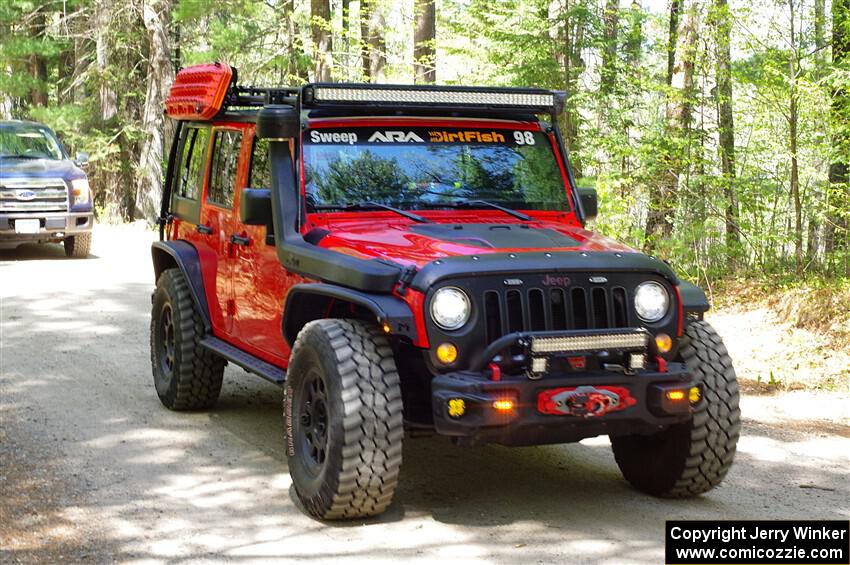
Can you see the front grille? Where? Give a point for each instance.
(550, 309)
(33, 195)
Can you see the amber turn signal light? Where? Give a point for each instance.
(446, 353)
(675, 395)
(503, 405)
(663, 343)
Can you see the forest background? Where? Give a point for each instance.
(717, 132)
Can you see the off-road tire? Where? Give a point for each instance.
(78, 246)
(693, 457)
(186, 377)
(358, 473)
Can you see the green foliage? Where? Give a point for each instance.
(616, 122)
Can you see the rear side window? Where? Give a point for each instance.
(192, 163)
(224, 167)
(261, 174)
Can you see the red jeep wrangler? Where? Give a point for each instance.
(416, 258)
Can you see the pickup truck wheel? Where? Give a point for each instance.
(78, 246)
(343, 413)
(693, 457)
(186, 376)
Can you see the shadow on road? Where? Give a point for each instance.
(35, 252)
(139, 481)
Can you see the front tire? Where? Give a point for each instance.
(343, 413)
(186, 376)
(77, 246)
(693, 457)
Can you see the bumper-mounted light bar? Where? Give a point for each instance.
(537, 100)
(632, 341)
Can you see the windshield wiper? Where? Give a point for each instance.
(478, 204)
(371, 205)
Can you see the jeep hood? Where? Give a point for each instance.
(418, 244)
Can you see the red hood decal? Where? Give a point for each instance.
(406, 243)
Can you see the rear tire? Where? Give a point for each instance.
(78, 246)
(186, 376)
(343, 413)
(693, 457)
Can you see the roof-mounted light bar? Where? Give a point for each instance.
(420, 96)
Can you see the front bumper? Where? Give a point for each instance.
(563, 405)
(53, 226)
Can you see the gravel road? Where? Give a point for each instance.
(94, 469)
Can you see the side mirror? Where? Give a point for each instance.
(82, 158)
(255, 207)
(589, 202)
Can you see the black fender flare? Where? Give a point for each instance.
(693, 299)
(306, 302)
(184, 256)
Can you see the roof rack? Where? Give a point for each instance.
(201, 92)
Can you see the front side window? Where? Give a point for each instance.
(423, 167)
(24, 141)
(261, 174)
(224, 166)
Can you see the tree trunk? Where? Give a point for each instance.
(793, 122)
(38, 63)
(611, 19)
(156, 15)
(672, 38)
(837, 229)
(373, 43)
(365, 60)
(346, 39)
(568, 28)
(320, 13)
(793, 113)
(659, 224)
(424, 42)
(633, 42)
(108, 98)
(726, 124)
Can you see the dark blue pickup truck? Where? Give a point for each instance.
(44, 194)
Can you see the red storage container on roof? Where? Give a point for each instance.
(198, 91)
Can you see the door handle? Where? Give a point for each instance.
(240, 240)
(204, 229)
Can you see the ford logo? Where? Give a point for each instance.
(25, 195)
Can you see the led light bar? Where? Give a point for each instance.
(603, 342)
(483, 97)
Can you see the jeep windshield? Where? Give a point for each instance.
(429, 167)
(23, 141)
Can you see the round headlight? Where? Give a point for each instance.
(450, 308)
(651, 301)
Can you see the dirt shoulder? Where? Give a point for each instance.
(776, 347)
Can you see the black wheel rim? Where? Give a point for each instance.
(166, 340)
(313, 422)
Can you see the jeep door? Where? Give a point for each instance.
(219, 223)
(259, 280)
